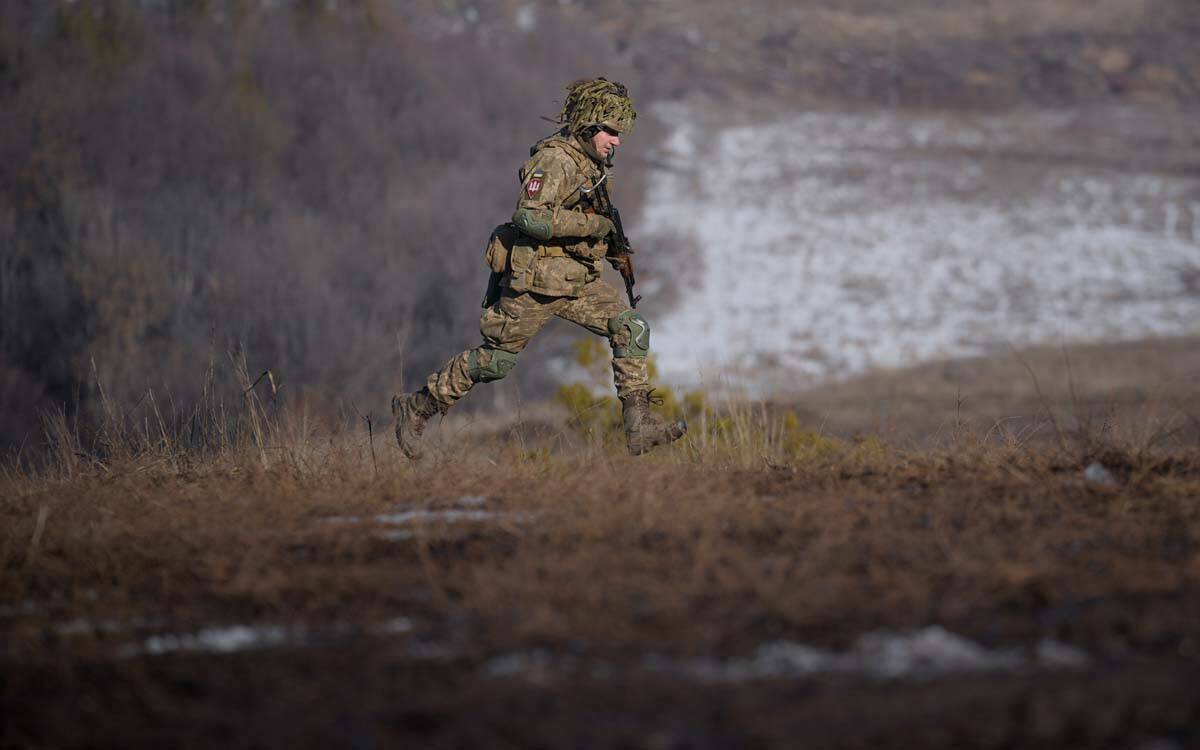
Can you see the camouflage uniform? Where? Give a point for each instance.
(546, 278)
(553, 269)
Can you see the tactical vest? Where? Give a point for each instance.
(556, 267)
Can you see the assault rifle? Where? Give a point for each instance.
(619, 251)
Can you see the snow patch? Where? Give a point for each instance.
(536, 662)
(468, 509)
(220, 640)
(929, 652)
(394, 626)
(228, 639)
(84, 626)
(20, 609)
(831, 244)
(921, 654)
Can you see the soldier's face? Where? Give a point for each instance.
(606, 141)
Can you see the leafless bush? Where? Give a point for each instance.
(304, 187)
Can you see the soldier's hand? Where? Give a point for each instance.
(618, 262)
(599, 226)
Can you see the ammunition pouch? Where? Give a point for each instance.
(522, 264)
(499, 246)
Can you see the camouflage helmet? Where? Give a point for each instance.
(597, 101)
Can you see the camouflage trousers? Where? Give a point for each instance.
(516, 318)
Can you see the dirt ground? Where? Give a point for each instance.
(996, 552)
(765, 584)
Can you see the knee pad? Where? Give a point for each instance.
(498, 364)
(638, 330)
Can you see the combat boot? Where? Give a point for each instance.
(645, 430)
(412, 411)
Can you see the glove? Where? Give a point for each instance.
(618, 262)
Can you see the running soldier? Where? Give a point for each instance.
(546, 263)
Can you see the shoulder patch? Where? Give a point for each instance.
(533, 186)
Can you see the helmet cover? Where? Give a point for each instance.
(597, 101)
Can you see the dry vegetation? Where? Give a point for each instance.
(309, 185)
(1146, 390)
(187, 178)
(584, 564)
(923, 53)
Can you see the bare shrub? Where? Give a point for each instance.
(303, 186)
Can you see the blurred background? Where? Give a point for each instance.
(816, 190)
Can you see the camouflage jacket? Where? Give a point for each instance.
(554, 254)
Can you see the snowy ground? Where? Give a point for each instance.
(829, 244)
(921, 654)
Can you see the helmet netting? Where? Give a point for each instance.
(597, 101)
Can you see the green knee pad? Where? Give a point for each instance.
(500, 363)
(639, 334)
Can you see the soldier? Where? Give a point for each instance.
(553, 268)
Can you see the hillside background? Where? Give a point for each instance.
(308, 185)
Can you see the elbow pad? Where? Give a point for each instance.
(537, 223)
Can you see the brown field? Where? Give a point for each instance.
(534, 587)
(998, 552)
(1144, 390)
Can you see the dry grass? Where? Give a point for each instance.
(1140, 394)
(756, 529)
